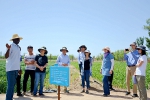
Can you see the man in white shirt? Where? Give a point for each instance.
(12, 64)
(29, 60)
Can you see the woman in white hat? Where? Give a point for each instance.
(106, 69)
(140, 72)
(12, 64)
(86, 72)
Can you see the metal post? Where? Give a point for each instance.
(58, 92)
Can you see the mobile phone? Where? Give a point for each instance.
(126, 49)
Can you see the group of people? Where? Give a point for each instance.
(36, 68)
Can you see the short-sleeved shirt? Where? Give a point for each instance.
(41, 61)
(142, 69)
(107, 64)
(13, 61)
(30, 58)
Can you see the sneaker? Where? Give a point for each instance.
(111, 89)
(41, 95)
(105, 95)
(66, 91)
(82, 91)
(127, 93)
(19, 95)
(34, 95)
(87, 91)
(135, 95)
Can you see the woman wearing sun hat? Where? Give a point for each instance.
(86, 72)
(141, 72)
(41, 62)
(106, 69)
(64, 60)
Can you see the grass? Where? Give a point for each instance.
(3, 80)
(119, 80)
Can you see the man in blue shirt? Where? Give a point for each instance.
(64, 60)
(131, 60)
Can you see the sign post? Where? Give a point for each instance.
(60, 76)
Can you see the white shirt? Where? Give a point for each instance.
(141, 70)
(63, 59)
(30, 58)
(81, 57)
(13, 61)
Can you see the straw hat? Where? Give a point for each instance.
(43, 48)
(64, 48)
(106, 48)
(15, 36)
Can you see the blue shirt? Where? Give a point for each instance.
(106, 64)
(131, 58)
(63, 59)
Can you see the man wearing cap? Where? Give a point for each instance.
(29, 60)
(63, 60)
(131, 60)
(12, 56)
(41, 62)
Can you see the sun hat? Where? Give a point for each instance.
(43, 48)
(134, 43)
(83, 46)
(87, 51)
(106, 48)
(15, 36)
(64, 48)
(141, 47)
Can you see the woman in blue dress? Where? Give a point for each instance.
(106, 69)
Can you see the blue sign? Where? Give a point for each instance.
(60, 75)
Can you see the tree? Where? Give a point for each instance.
(140, 41)
(147, 28)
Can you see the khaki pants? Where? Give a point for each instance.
(129, 73)
(141, 87)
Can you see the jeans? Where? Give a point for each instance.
(86, 78)
(39, 77)
(106, 85)
(28, 73)
(18, 84)
(110, 79)
(80, 66)
(11, 81)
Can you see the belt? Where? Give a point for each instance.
(131, 65)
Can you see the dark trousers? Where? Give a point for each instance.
(80, 66)
(18, 84)
(28, 73)
(110, 80)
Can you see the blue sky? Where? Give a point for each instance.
(71, 23)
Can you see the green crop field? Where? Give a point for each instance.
(3, 81)
(119, 73)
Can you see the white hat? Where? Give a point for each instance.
(106, 48)
(15, 36)
(88, 51)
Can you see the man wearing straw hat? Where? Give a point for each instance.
(12, 56)
(64, 60)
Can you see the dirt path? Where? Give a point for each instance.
(96, 92)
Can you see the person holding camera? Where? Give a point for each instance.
(131, 58)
